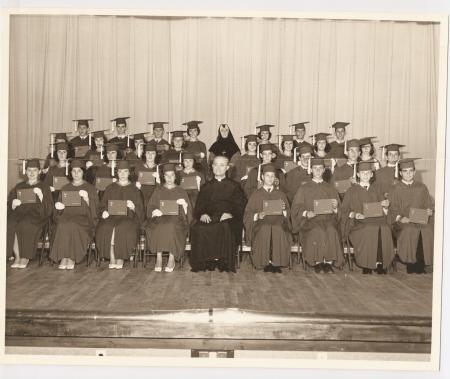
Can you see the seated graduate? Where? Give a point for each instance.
(150, 154)
(300, 131)
(26, 220)
(50, 159)
(82, 139)
(322, 149)
(347, 170)
(219, 210)
(269, 235)
(107, 170)
(116, 235)
(168, 232)
(125, 143)
(319, 234)
(388, 176)
(267, 154)
(225, 145)
(338, 146)
(96, 156)
(74, 226)
(415, 241)
(246, 161)
(194, 145)
(177, 146)
(264, 136)
(135, 156)
(287, 152)
(157, 132)
(367, 151)
(371, 237)
(60, 169)
(301, 174)
(189, 171)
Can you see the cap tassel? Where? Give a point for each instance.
(257, 151)
(242, 143)
(179, 159)
(139, 150)
(90, 142)
(75, 123)
(290, 129)
(354, 170)
(169, 135)
(112, 125)
(295, 155)
(313, 139)
(345, 147)
(396, 168)
(309, 165)
(382, 154)
(67, 167)
(23, 166)
(151, 129)
(279, 142)
(101, 152)
(128, 140)
(113, 162)
(259, 173)
(333, 163)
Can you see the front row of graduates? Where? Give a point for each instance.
(220, 213)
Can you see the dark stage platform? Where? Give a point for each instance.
(295, 310)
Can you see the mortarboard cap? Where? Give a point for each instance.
(177, 133)
(407, 163)
(61, 135)
(352, 143)
(265, 147)
(111, 146)
(120, 120)
(99, 133)
(84, 121)
(392, 147)
(188, 155)
(62, 146)
(300, 125)
(365, 165)
(123, 165)
(251, 138)
(192, 124)
(31, 163)
(320, 136)
(138, 136)
(317, 162)
(77, 163)
(365, 141)
(288, 137)
(158, 124)
(168, 167)
(304, 149)
(339, 125)
(269, 167)
(151, 147)
(265, 128)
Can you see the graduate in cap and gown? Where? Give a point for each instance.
(96, 155)
(116, 235)
(26, 221)
(197, 147)
(225, 145)
(347, 170)
(269, 235)
(50, 159)
(287, 152)
(157, 129)
(125, 143)
(267, 154)
(150, 153)
(387, 176)
(107, 170)
(371, 237)
(319, 234)
(189, 171)
(300, 131)
(82, 139)
(177, 146)
(168, 232)
(74, 226)
(219, 211)
(301, 174)
(338, 146)
(415, 241)
(264, 136)
(60, 169)
(322, 149)
(246, 161)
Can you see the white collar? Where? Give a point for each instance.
(219, 180)
(351, 164)
(83, 137)
(268, 188)
(364, 185)
(411, 182)
(315, 181)
(304, 168)
(392, 165)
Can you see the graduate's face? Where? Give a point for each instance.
(220, 166)
(224, 130)
(123, 174)
(77, 174)
(266, 156)
(62, 155)
(112, 155)
(150, 156)
(138, 142)
(352, 154)
(321, 145)
(268, 178)
(188, 163)
(186, 136)
(265, 136)
(99, 141)
(304, 158)
(158, 132)
(340, 133)
(365, 149)
(193, 133)
(32, 173)
(288, 145)
(364, 176)
(169, 177)
(317, 171)
(300, 133)
(408, 173)
(178, 142)
(121, 129)
(251, 146)
(392, 156)
(82, 130)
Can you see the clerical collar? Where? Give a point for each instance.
(219, 180)
(83, 137)
(268, 188)
(121, 137)
(317, 181)
(391, 165)
(408, 183)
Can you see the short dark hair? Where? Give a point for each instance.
(70, 173)
(282, 145)
(259, 134)
(246, 144)
(372, 149)
(177, 177)
(196, 127)
(327, 147)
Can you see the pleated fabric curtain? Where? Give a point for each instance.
(381, 76)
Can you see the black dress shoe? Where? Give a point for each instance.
(367, 271)
(420, 269)
(268, 268)
(319, 268)
(276, 270)
(380, 269)
(328, 269)
(222, 266)
(211, 265)
(410, 269)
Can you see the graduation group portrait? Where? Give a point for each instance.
(224, 185)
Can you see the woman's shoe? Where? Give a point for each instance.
(23, 265)
(119, 265)
(170, 269)
(62, 267)
(158, 269)
(112, 265)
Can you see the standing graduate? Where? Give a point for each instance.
(319, 234)
(218, 230)
(198, 148)
(116, 235)
(300, 131)
(388, 175)
(95, 155)
(26, 221)
(82, 139)
(269, 235)
(107, 170)
(177, 146)
(287, 152)
(74, 227)
(322, 149)
(338, 146)
(415, 241)
(371, 237)
(246, 161)
(225, 145)
(264, 136)
(125, 143)
(50, 159)
(59, 170)
(168, 232)
(254, 181)
(189, 171)
(157, 129)
(299, 175)
(347, 170)
(149, 166)
(135, 156)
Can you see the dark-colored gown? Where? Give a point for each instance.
(198, 147)
(320, 235)
(127, 228)
(78, 141)
(327, 173)
(91, 171)
(363, 234)
(102, 172)
(251, 185)
(401, 198)
(27, 220)
(294, 179)
(337, 150)
(281, 158)
(343, 172)
(145, 189)
(239, 169)
(53, 172)
(386, 179)
(193, 193)
(218, 239)
(270, 233)
(172, 155)
(74, 227)
(168, 233)
(123, 144)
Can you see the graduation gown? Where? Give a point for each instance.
(294, 179)
(198, 147)
(27, 220)
(251, 185)
(385, 179)
(343, 172)
(327, 173)
(78, 141)
(51, 173)
(401, 198)
(172, 155)
(363, 234)
(320, 235)
(102, 172)
(123, 144)
(218, 239)
(74, 227)
(168, 233)
(281, 158)
(240, 167)
(270, 233)
(91, 171)
(193, 193)
(126, 227)
(147, 191)
(337, 150)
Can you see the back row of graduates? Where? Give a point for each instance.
(297, 189)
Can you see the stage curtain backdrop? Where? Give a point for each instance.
(381, 76)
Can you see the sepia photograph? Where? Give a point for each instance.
(223, 188)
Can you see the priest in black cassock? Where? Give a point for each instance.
(219, 212)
